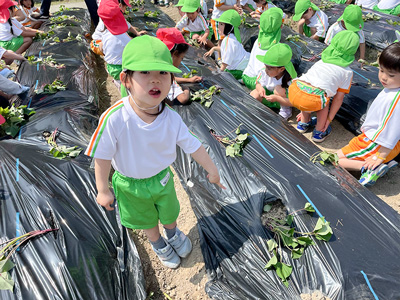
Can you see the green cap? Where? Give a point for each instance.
(301, 7)
(180, 3)
(270, 28)
(279, 55)
(342, 49)
(232, 17)
(190, 6)
(352, 18)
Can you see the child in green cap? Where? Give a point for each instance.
(352, 20)
(233, 56)
(194, 22)
(179, 6)
(138, 137)
(373, 151)
(391, 7)
(313, 21)
(274, 79)
(261, 7)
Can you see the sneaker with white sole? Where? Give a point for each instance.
(369, 177)
(303, 127)
(181, 243)
(320, 136)
(168, 256)
(285, 112)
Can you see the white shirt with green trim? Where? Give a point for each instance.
(204, 8)
(320, 21)
(97, 34)
(113, 46)
(367, 3)
(254, 66)
(5, 30)
(233, 53)
(217, 3)
(268, 82)
(383, 118)
(329, 77)
(336, 28)
(137, 149)
(388, 4)
(174, 91)
(199, 24)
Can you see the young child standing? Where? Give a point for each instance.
(178, 47)
(195, 23)
(233, 56)
(274, 79)
(313, 22)
(352, 20)
(373, 150)
(138, 137)
(25, 9)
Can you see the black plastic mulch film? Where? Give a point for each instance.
(91, 256)
(360, 262)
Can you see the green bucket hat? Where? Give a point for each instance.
(279, 55)
(342, 49)
(232, 17)
(352, 18)
(190, 6)
(270, 28)
(146, 53)
(180, 3)
(301, 7)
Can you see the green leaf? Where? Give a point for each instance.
(324, 156)
(238, 129)
(271, 245)
(272, 262)
(296, 254)
(283, 271)
(322, 230)
(6, 282)
(75, 153)
(308, 207)
(6, 265)
(289, 219)
(305, 240)
(267, 207)
(242, 137)
(230, 151)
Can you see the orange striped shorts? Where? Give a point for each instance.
(96, 46)
(214, 25)
(361, 147)
(306, 97)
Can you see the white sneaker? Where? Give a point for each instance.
(285, 112)
(180, 243)
(168, 256)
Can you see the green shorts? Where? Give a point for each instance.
(392, 11)
(14, 44)
(114, 70)
(236, 73)
(142, 202)
(210, 34)
(268, 103)
(249, 82)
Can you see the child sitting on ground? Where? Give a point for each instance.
(352, 20)
(178, 47)
(373, 151)
(195, 23)
(313, 21)
(138, 136)
(275, 78)
(14, 36)
(261, 7)
(25, 9)
(329, 77)
(233, 56)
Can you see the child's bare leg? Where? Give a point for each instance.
(300, 26)
(349, 164)
(153, 234)
(170, 226)
(27, 42)
(256, 95)
(305, 116)
(322, 116)
(195, 37)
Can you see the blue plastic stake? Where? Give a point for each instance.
(265, 149)
(309, 200)
(17, 170)
(369, 285)
(185, 66)
(223, 102)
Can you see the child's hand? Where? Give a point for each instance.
(260, 90)
(202, 40)
(214, 178)
(142, 32)
(209, 53)
(271, 98)
(371, 163)
(105, 199)
(195, 79)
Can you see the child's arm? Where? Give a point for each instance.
(9, 54)
(184, 97)
(335, 105)
(212, 50)
(29, 32)
(362, 51)
(189, 80)
(19, 16)
(135, 32)
(223, 66)
(203, 39)
(279, 96)
(201, 157)
(102, 169)
(374, 161)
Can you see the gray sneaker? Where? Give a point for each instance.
(181, 243)
(168, 256)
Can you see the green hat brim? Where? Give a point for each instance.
(267, 40)
(350, 26)
(188, 9)
(298, 16)
(289, 66)
(156, 66)
(332, 56)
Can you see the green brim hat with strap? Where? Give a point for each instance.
(232, 17)
(301, 7)
(270, 28)
(180, 3)
(279, 55)
(190, 6)
(352, 18)
(342, 49)
(146, 53)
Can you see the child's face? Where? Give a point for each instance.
(389, 79)
(274, 71)
(221, 27)
(181, 13)
(177, 58)
(308, 14)
(122, 7)
(261, 3)
(192, 16)
(149, 88)
(27, 3)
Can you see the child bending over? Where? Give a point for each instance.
(313, 21)
(22, 15)
(373, 150)
(261, 6)
(138, 137)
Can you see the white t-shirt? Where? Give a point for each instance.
(233, 53)
(217, 3)
(204, 8)
(367, 3)
(113, 46)
(388, 4)
(336, 28)
(5, 30)
(264, 8)
(135, 148)
(174, 91)
(254, 66)
(320, 21)
(249, 2)
(199, 24)
(329, 77)
(268, 82)
(97, 34)
(383, 118)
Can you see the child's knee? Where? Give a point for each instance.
(28, 39)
